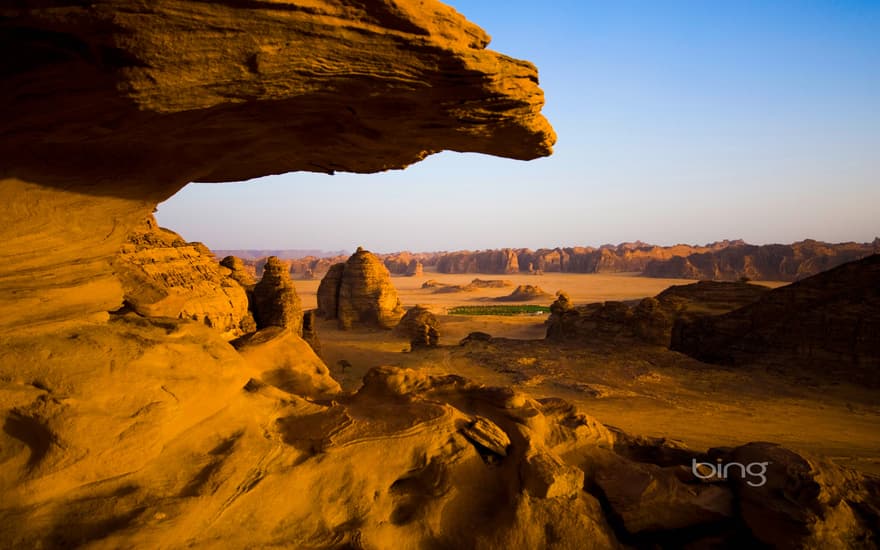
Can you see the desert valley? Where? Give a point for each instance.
(156, 393)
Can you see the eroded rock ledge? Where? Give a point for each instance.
(110, 107)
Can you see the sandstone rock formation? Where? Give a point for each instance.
(490, 283)
(109, 110)
(359, 293)
(420, 327)
(286, 361)
(241, 272)
(652, 320)
(830, 322)
(524, 293)
(164, 276)
(366, 295)
(444, 288)
(276, 303)
(128, 432)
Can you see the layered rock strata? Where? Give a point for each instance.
(360, 293)
(164, 276)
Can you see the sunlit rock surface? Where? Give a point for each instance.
(359, 293)
(164, 276)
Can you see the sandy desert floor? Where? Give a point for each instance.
(642, 389)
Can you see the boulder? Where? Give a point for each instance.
(420, 327)
(276, 303)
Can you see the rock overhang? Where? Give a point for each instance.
(187, 90)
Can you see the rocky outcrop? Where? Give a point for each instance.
(524, 293)
(652, 320)
(420, 326)
(490, 283)
(241, 272)
(410, 458)
(829, 322)
(276, 303)
(359, 293)
(328, 291)
(415, 269)
(366, 295)
(108, 110)
(164, 276)
(286, 361)
(476, 284)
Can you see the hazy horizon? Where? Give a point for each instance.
(343, 251)
(685, 123)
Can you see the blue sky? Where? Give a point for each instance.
(678, 121)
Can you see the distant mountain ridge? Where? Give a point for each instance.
(726, 260)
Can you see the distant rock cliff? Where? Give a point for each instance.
(724, 260)
(773, 262)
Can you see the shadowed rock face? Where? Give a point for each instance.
(109, 108)
(652, 320)
(829, 321)
(276, 303)
(328, 291)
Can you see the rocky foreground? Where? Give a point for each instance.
(128, 418)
